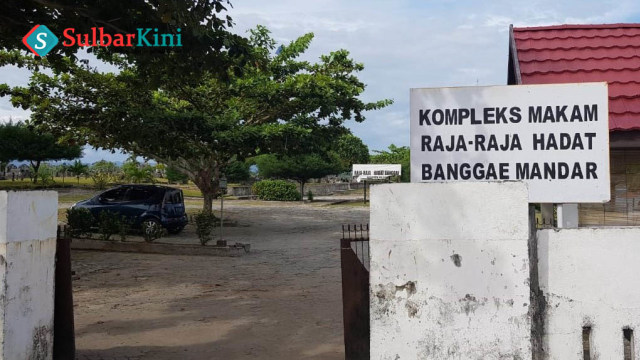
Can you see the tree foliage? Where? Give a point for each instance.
(351, 150)
(395, 155)
(104, 173)
(175, 176)
(275, 103)
(105, 166)
(23, 143)
(137, 173)
(237, 171)
(78, 169)
(207, 44)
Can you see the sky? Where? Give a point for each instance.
(403, 44)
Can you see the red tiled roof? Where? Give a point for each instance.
(584, 53)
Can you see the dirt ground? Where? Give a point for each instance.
(281, 301)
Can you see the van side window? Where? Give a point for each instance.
(173, 197)
(114, 196)
(139, 194)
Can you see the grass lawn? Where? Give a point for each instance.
(58, 183)
(86, 183)
(27, 185)
(73, 197)
(187, 191)
(74, 181)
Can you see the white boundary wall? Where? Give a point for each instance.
(449, 271)
(28, 223)
(590, 277)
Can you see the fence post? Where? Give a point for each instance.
(64, 343)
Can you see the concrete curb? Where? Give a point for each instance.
(160, 248)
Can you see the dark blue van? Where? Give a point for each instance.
(145, 206)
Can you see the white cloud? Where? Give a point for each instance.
(406, 44)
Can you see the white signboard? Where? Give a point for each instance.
(363, 172)
(554, 137)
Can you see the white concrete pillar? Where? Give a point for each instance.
(28, 221)
(567, 216)
(450, 271)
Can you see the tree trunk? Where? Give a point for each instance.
(302, 189)
(207, 182)
(207, 205)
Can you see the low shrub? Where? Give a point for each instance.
(309, 195)
(80, 221)
(123, 230)
(276, 190)
(205, 223)
(46, 175)
(109, 223)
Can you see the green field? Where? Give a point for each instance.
(58, 182)
(73, 197)
(83, 183)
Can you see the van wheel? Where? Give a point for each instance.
(151, 228)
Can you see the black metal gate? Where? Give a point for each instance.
(64, 346)
(354, 260)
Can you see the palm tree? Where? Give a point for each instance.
(78, 168)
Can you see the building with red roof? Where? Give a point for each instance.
(592, 53)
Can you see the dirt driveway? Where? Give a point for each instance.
(281, 301)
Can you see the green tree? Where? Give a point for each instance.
(351, 150)
(395, 155)
(106, 167)
(275, 103)
(22, 143)
(103, 173)
(137, 173)
(300, 168)
(46, 173)
(78, 169)
(237, 171)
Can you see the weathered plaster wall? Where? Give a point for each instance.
(590, 277)
(28, 223)
(449, 271)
